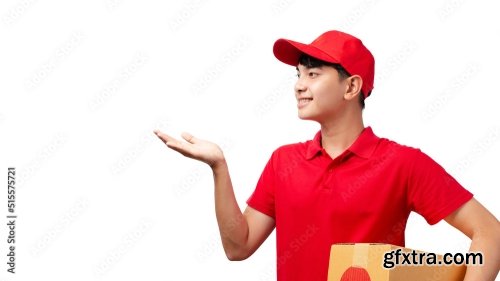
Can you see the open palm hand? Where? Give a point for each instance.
(195, 148)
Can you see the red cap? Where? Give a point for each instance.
(335, 47)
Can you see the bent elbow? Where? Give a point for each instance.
(237, 255)
(235, 258)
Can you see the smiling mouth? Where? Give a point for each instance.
(303, 101)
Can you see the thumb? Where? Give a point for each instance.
(189, 138)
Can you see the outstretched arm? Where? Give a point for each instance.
(241, 233)
(475, 221)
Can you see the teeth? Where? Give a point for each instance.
(304, 100)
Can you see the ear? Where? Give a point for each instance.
(353, 87)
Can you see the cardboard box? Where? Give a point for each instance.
(365, 262)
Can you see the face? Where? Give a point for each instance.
(319, 93)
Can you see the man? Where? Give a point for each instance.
(345, 185)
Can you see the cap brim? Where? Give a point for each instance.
(289, 52)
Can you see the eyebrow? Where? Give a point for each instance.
(319, 67)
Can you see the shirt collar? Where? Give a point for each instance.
(363, 146)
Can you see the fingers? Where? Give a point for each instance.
(164, 137)
(189, 138)
(173, 143)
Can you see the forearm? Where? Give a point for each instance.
(488, 244)
(233, 226)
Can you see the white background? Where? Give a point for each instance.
(84, 83)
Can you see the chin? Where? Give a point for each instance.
(302, 116)
(306, 117)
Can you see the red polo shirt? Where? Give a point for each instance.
(364, 195)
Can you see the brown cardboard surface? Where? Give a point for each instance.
(366, 263)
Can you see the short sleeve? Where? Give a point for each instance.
(432, 192)
(262, 198)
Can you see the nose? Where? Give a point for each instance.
(300, 87)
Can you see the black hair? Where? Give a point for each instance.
(311, 62)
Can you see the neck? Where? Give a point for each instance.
(339, 135)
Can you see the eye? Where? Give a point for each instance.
(298, 74)
(313, 74)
